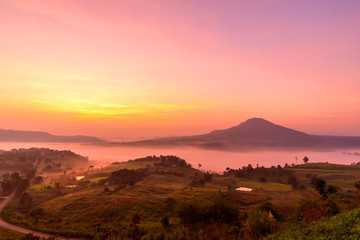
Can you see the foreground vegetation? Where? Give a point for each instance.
(166, 198)
(6, 234)
(343, 226)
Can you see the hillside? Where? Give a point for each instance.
(153, 196)
(343, 226)
(46, 160)
(104, 204)
(31, 136)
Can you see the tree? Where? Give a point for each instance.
(165, 222)
(23, 184)
(136, 219)
(331, 189)
(268, 207)
(207, 177)
(36, 213)
(30, 174)
(38, 180)
(200, 165)
(190, 213)
(262, 179)
(293, 181)
(10, 182)
(169, 204)
(26, 199)
(313, 179)
(320, 187)
(330, 207)
(357, 185)
(306, 159)
(91, 167)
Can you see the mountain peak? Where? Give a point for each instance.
(258, 129)
(256, 120)
(256, 123)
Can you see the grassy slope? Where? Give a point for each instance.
(341, 176)
(83, 210)
(343, 226)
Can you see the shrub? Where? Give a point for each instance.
(127, 177)
(309, 211)
(262, 179)
(218, 212)
(136, 219)
(292, 180)
(269, 207)
(165, 222)
(207, 177)
(258, 225)
(330, 207)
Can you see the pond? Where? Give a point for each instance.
(244, 189)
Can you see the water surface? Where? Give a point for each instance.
(209, 159)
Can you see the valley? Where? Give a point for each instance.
(157, 196)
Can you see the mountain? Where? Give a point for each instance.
(257, 130)
(30, 136)
(256, 134)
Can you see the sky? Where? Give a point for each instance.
(149, 68)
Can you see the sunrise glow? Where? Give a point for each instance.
(157, 68)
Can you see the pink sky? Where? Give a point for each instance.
(156, 68)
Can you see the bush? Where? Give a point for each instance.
(207, 177)
(292, 180)
(269, 207)
(127, 177)
(165, 222)
(218, 212)
(357, 185)
(38, 180)
(190, 213)
(322, 188)
(309, 211)
(330, 207)
(136, 219)
(259, 224)
(262, 179)
(343, 226)
(169, 204)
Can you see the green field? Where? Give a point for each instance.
(104, 204)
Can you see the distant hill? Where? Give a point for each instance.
(30, 136)
(256, 133)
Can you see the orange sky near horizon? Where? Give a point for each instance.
(141, 69)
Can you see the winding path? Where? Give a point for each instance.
(16, 228)
(21, 229)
